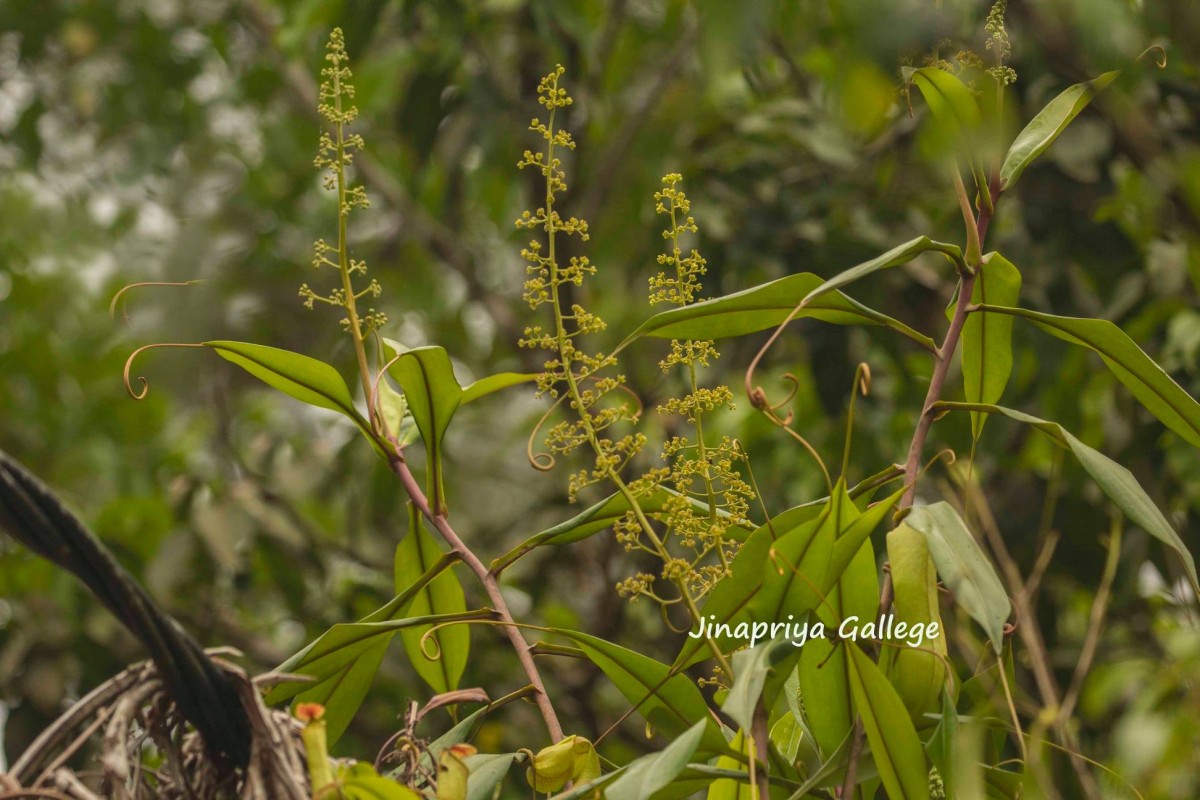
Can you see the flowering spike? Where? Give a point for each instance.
(698, 469)
(336, 148)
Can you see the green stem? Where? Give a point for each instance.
(360, 350)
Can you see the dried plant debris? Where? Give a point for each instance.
(127, 740)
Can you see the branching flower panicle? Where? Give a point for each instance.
(998, 44)
(336, 150)
(698, 470)
(586, 381)
(967, 64)
(570, 369)
(679, 281)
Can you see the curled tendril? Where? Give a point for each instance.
(662, 610)
(1159, 52)
(1011, 627)
(758, 397)
(945, 455)
(146, 384)
(398, 742)
(429, 638)
(791, 395)
(640, 406)
(862, 383)
(542, 462)
(112, 307)
(812, 451)
(862, 378)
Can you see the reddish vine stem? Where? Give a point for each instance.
(912, 466)
(398, 466)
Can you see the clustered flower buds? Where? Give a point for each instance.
(335, 152)
(570, 369)
(999, 44)
(699, 471)
(701, 494)
(967, 64)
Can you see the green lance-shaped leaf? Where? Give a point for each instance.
(453, 774)
(393, 412)
(600, 517)
(433, 394)
(730, 601)
(793, 579)
(956, 114)
(824, 670)
(343, 692)
(343, 662)
(1149, 382)
(919, 676)
(788, 733)
(1117, 482)
(299, 376)
(1005, 784)
(894, 744)
(940, 746)
(340, 644)
(987, 338)
(950, 100)
(670, 702)
(901, 254)
(466, 728)
(762, 307)
(494, 383)
(1051, 121)
(850, 542)
(964, 567)
(733, 788)
(825, 687)
(760, 672)
(487, 772)
(359, 781)
(416, 554)
(643, 777)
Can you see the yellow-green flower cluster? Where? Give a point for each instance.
(698, 470)
(998, 43)
(570, 370)
(335, 152)
(679, 281)
(693, 550)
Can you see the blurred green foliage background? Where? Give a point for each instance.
(152, 140)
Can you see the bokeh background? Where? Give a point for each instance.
(151, 140)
